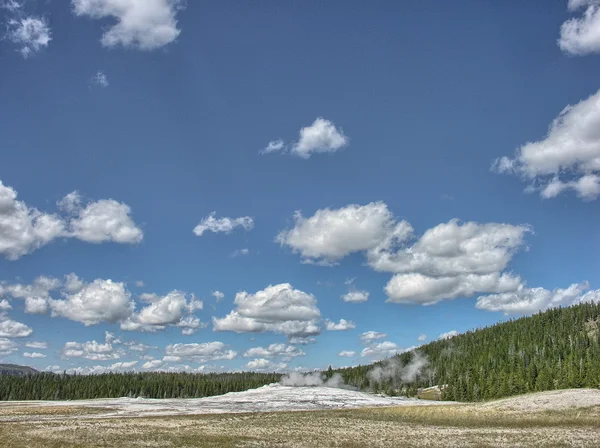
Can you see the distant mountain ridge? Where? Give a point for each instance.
(16, 370)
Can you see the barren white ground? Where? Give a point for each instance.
(273, 397)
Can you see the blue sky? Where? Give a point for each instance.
(417, 154)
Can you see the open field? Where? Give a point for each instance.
(550, 419)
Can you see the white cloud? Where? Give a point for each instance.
(356, 296)
(273, 146)
(321, 137)
(342, 325)
(450, 260)
(36, 295)
(30, 34)
(92, 350)
(206, 351)
(286, 351)
(140, 24)
(302, 340)
(422, 338)
(240, 252)
(24, 229)
(420, 289)
(105, 220)
(218, 295)
(162, 311)
(100, 79)
(223, 225)
(139, 284)
(97, 370)
(369, 336)
(530, 300)
(381, 350)
(7, 346)
(581, 35)
(330, 235)
(152, 364)
(33, 355)
(265, 364)
(13, 329)
(137, 346)
(4, 305)
(39, 345)
(568, 158)
(448, 335)
(99, 301)
(346, 354)
(279, 309)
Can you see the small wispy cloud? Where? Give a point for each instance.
(100, 79)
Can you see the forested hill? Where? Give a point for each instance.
(556, 349)
(13, 369)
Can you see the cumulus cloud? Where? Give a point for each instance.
(279, 309)
(369, 336)
(381, 350)
(140, 24)
(7, 346)
(321, 137)
(581, 35)
(568, 158)
(12, 329)
(24, 229)
(153, 364)
(104, 220)
(204, 352)
(4, 305)
(347, 353)
(97, 370)
(448, 335)
(262, 364)
(356, 296)
(92, 350)
(330, 235)
(29, 33)
(286, 351)
(99, 301)
(33, 355)
(171, 309)
(36, 296)
(422, 338)
(530, 300)
(424, 290)
(223, 225)
(342, 325)
(450, 260)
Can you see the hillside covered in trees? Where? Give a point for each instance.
(556, 349)
(50, 386)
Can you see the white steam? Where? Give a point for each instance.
(392, 370)
(313, 379)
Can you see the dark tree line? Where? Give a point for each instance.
(50, 386)
(556, 349)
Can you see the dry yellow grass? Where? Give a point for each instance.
(418, 426)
